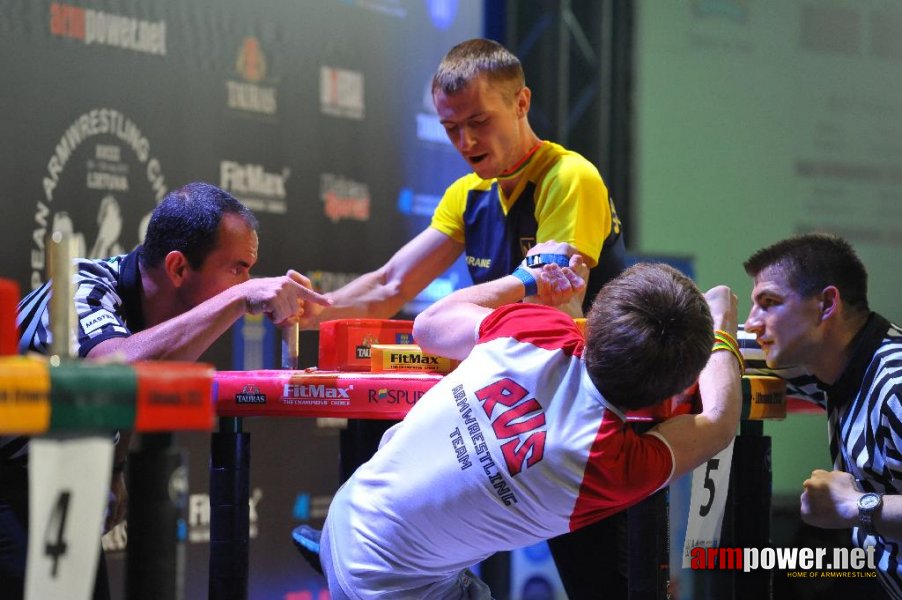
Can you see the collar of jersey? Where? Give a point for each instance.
(521, 164)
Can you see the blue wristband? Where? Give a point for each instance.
(537, 260)
(528, 279)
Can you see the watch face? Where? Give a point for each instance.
(869, 501)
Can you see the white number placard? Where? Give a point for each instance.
(710, 483)
(68, 488)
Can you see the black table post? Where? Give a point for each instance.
(158, 487)
(229, 512)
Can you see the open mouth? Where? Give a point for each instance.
(477, 159)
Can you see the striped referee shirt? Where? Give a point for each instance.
(865, 425)
(107, 305)
(864, 422)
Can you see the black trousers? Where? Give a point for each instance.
(14, 536)
(593, 562)
(358, 443)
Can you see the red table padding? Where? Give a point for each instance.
(319, 393)
(174, 396)
(315, 393)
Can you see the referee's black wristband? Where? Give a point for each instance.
(537, 260)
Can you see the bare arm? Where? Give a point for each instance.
(830, 500)
(188, 335)
(448, 327)
(380, 294)
(696, 438)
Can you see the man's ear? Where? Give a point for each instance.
(830, 302)
(176, 265)
(524, 97)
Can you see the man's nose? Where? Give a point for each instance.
(467, 139)
(753, 322)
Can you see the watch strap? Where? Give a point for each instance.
(537, 260)
(866, 513)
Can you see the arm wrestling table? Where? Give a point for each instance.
(312, 393)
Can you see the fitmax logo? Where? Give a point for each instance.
(306, 390)
(414, 359)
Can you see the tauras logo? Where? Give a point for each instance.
(309, 390)
(250, 394)
(249, 95)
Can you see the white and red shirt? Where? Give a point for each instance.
(515, 446)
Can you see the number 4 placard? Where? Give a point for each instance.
(69, 483)
(710, 482)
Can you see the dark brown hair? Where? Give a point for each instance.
(813, 261)
(649, 334)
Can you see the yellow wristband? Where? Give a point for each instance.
(733, 351)
(723, 336)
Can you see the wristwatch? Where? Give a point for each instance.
(868, 505)
(537, 260)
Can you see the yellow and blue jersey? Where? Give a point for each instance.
(560, 196)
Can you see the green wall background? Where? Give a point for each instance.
(759, 119)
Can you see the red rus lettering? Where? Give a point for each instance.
(504, 391)
(514, 457)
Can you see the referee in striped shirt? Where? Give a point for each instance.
(168, 299)
(810, 310)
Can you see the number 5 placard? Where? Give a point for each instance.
(68, 488)
(710, 483)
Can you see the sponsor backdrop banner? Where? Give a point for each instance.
(316, 114)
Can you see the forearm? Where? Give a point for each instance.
(888, 523)
(370, 296)
(695, 438)
(720, 382)
(448, 327)
(720, 389)
(380, 294)
(184, 337)
(830, 499)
